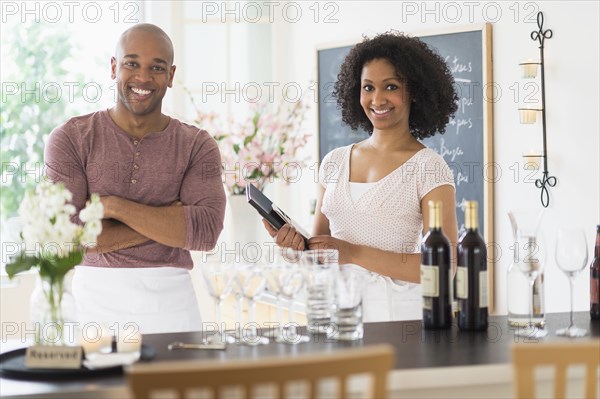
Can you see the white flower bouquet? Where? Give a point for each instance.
(52, 242)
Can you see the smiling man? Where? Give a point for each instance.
(160, 183)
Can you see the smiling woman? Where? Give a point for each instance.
(384, 97)
(372, 203)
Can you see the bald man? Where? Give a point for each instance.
(160, 184)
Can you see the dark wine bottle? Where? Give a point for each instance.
(471, 282)
(436, 278)
(595, 280)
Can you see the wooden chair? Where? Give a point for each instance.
(527, 356)
(183, 377)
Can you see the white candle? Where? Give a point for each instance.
(129, 340)
(529, 69)
(532, 160)
(528, 116)
(95, 339)
(90, 346)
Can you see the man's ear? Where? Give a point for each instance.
(172, 73)
(113, 68)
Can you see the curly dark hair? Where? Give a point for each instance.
(428, 79)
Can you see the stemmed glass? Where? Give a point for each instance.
(291, 282)
(571, 257)
(218, 278)
(532, 265)
(272, 271)
(251, 283)
(236, 334)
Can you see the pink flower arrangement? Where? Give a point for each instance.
(261, 148)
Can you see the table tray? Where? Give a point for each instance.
(12, 365)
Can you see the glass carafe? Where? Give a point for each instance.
(525, 227)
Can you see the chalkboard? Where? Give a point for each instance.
(467, 144)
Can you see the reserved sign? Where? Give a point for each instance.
(53, 357)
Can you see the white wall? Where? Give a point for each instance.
(572, 102)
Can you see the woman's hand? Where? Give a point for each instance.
(286, 237)
(328, 242)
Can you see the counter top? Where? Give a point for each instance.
(421, 356)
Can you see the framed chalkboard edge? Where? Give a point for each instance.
(321, 47)
(488, 143)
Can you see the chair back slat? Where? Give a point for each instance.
(377, 360)
(559, 355)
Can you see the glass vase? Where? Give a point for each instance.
(53, 313)
(525, 225)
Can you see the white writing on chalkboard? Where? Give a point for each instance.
(448, 152)
(457, 67)
(463, 103)
(460, 122)
(460, 177)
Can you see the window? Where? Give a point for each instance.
(224, 56)
(55, 63)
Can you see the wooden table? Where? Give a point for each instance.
(447, 363)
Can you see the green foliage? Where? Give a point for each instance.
(20, 264)
(51, 268)
(40, 53)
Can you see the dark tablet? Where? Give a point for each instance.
(275, 216)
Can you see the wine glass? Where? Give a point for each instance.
(272, 272)
(251, 282)
(291, 282)
(530, 259)
(571, 257)
(218, 277)
(236, 334)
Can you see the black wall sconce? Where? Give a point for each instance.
(529, 115)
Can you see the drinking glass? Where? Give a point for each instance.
(530, 256)
(347, 316)
(251, 282)
(218, 277)
(571, 257)
(291, 282)
(320, 269)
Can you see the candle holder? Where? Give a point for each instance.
(528, 115)
(532, 160)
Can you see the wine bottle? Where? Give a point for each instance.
(595, 280)
(471, 282)
(436, 278)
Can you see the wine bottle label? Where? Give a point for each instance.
(430, 281)
(483, 289)
(462, 282)
(427, 303)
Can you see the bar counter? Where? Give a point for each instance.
(442, 363)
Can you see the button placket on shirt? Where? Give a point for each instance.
(135, 166)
